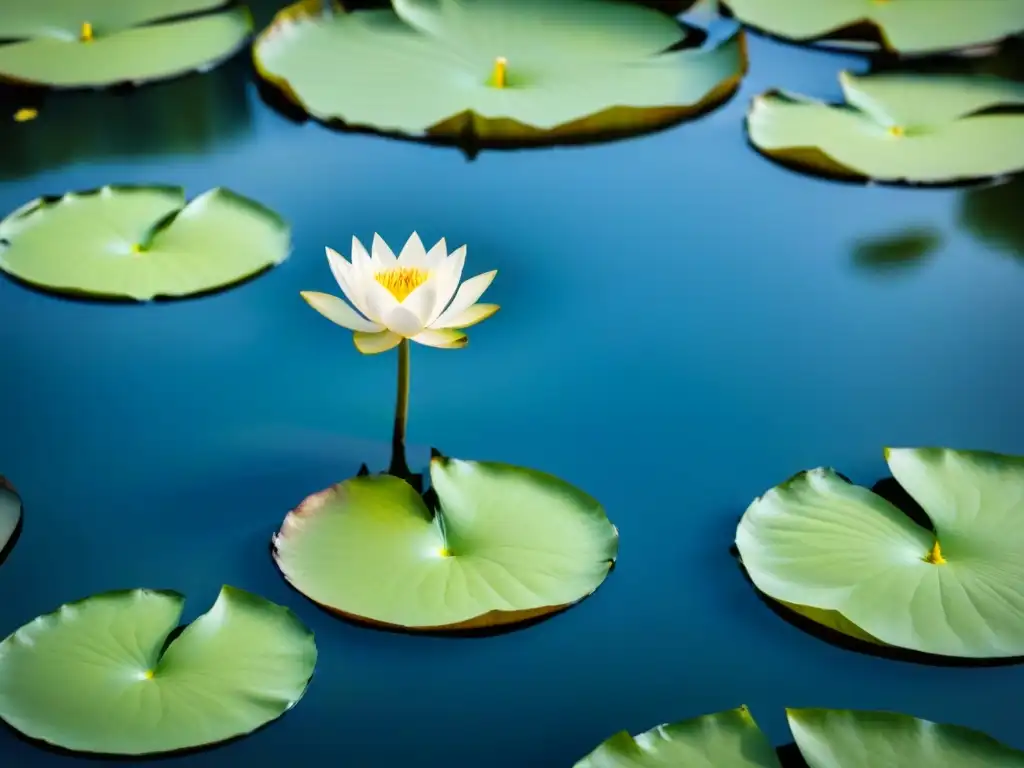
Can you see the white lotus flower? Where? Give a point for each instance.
(415, 296)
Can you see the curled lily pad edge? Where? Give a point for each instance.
(472, 131)
(863, 36)
(813, 162)
(834, 627)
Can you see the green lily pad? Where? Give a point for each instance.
(729, 738)
(242, 664)
(10, 513)
(900, 26)
(141, 242)
(430, 68)
(826, 738)
(830, 738)
(507, 544)
(921, 129)
(821, 542)
(96, 43)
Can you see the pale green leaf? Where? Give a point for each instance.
(141, 242)
(90, 677)
(507, 543)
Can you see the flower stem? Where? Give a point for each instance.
(399, 467)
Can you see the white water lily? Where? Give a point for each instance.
(415, 295)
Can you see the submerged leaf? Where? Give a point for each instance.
(898, 128)
(95, 43)
(902, 26)
(506, 544)
(242, 664)
(141, 242)
(499, 71)
(821, 542)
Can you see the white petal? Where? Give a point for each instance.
(443, 339)
(373, 343)
(448, 276)
(360, 258)
(469, 292)
(337, 311)
(437, 255)
(383, 257)
(378, 299)
(345, 274)
(413, 253)
(469, 316)
(404, 321)
(421, 301)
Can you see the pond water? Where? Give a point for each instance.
(683, 325)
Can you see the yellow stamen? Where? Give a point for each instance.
(935, 556)
(897, 131)
(500, 71)
(86, 34)
(148, 674)
(25, 114)
(401, 281)
(137, 248)
(444, 552)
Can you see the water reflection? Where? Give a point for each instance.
(895, 251)
(190, 115)
(995, 215)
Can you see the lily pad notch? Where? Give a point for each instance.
(897, 27)
(849, 560)
(490, 73)
(10, 518)
(239, 666)
(501, 545)
(97, 43)
(897, 129)
(141, 242)
(841, 738)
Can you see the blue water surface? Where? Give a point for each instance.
(684, 324)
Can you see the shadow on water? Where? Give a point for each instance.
(895, 494)
(897, 251)
(189, 115)
(8, 490)
(790, 757)
(995, 215)
(13, 541)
